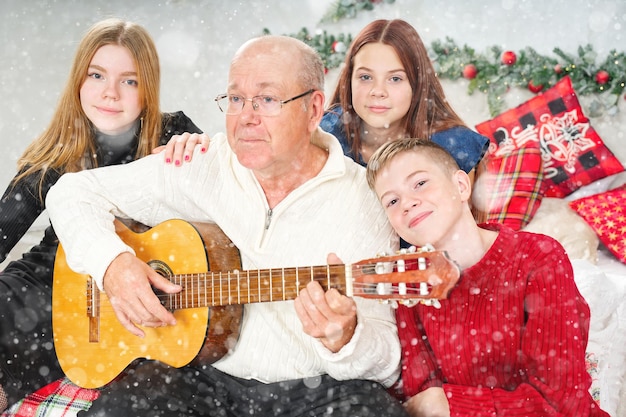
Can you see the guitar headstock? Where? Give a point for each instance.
(406, 277)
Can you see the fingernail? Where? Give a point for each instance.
(203, 149)
(186, 157)
(177, 162)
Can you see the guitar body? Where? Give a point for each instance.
(94, 348)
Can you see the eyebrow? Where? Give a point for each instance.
(260, 86)
(98, 67)
(406, 179)
(371, 70)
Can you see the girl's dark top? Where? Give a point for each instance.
(20, 205)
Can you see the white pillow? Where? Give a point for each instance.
(556, 219)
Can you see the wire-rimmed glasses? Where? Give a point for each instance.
(264, 105)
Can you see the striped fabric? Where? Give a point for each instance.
(59, 399)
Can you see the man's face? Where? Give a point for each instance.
(267, 144)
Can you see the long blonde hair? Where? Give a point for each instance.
(68, 143)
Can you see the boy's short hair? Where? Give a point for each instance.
(386, 153)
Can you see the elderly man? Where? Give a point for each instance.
(283, 192)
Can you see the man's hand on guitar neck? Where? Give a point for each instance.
(327, 315)
(128, 284)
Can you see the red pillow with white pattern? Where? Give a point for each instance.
(572, 151)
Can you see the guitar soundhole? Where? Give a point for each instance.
(161, 267)
(164, 270)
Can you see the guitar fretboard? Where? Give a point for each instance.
(255, 286)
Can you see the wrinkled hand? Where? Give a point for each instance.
(328, 316)
(431, 402)
(128, 284)
(180, 147)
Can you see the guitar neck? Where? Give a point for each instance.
(214, 289)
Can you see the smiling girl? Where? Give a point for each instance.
(387, 90)
(108, 114)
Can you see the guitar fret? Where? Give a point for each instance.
(175, 300)
(283, 282)
(184, 297)
(328, 277)
(348, 280)
(228, 295)
(212, 289)
(248, 279)
(187, 295)
(271, 287)
(238, 288)
(297, 282)
(204, 291)
(198, 291)
(221, 302)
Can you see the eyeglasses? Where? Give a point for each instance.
(264, 105)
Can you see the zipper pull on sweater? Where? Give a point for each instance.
(269, 219)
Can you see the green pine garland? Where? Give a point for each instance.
(495, 78)
(343, 9)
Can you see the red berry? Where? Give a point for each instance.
(509, 58)
(558, 69)
(470, 71)
(602, 77)
(534, 88)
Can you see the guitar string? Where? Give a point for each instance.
(204, 286)
(266, 296)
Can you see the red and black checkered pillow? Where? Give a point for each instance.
(573, 153)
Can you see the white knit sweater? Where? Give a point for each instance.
(333, 212)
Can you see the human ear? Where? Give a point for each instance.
(316, 107)
(464, 184)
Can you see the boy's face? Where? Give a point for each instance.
(423, 201)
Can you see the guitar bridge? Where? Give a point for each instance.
(93, 310)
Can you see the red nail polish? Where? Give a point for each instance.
(168, 160)
(203, 149)
(177, 163)
(186, 157)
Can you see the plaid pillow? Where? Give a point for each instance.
(511, 188)
(59, 398)
(606, 214)
(573, 153)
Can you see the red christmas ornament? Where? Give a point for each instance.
(558, 69)
(535, 88)
(470, 71)
(602, 77)
(508, 58)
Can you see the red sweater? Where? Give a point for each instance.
(509, 341)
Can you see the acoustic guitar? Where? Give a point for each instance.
(93, 348)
